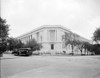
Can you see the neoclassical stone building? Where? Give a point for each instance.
(51, 37)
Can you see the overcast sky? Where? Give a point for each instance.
(80, 16)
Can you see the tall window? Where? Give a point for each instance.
(41, 38)
(52, 35)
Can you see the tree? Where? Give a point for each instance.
(88, 47)
(14, 43)
(4, 28)
(96, 35)
(96, 49)
(70, 38)
(80, 45)
(84, 45)
(73, 40)
(96, 38)
(33, 45)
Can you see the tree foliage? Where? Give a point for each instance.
(96, 49)
(80, 45)
(3, 45)
(74, 41)
(33, 45)
(70, 39)
(88, 47)
(14, 43)
(96, 35)
(96, 38)
(4, 28)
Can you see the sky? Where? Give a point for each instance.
(80, 16)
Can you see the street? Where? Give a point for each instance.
(50, 66)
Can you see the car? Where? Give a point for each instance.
(23, 51)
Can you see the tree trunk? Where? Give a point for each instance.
(85, 51)
(72, 50)
(81, 51)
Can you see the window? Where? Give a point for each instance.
(52, 46)
(52, 35)
(41, 38)
(37, 36)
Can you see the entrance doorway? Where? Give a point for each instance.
(52, 46)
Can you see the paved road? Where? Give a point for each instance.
(50, 67)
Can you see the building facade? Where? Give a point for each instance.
(51, 37)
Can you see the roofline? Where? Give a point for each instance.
(45, 26)
(50, 26)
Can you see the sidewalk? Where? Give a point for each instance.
(8, 56)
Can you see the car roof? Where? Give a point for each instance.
(25, 48)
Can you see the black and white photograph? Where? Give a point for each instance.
(49, 38)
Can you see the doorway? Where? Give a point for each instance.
(52, 46)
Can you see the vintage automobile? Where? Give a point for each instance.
(22, 51)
